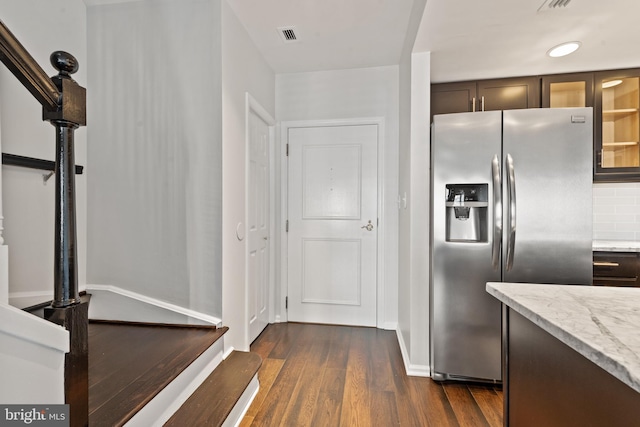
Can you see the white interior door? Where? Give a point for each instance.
(258, 225)
(332, 212)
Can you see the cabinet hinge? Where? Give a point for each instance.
(287, 226)
(286, 303)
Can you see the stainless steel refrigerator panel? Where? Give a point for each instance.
(466, 321)
(551, 216)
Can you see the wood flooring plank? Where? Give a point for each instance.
(329, 403)
(357, 394)
(265, 342)
(432, 402)
(267, 375)
(273, 410)
(303, 399)
(339, 348)
(490, 403)
(289, 333)
(384, 411)
(464, 406)
(382, 377)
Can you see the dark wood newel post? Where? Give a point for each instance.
(67, 308)
(64, 106)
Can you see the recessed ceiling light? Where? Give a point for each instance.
(611, 83)
(563, 49)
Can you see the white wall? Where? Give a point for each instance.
(155, 143)
(414, 230)
(243, 70)
(42, 27)
(414, 191)
(355, 93)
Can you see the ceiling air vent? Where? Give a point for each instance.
(548, 5)
(288, 34)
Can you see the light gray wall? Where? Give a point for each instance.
(155, 112)
(355, 93)
(243, 70)
(42, 27)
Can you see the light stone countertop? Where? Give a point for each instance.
(616, 246)
(601, 323)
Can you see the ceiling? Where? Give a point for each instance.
(468, 39)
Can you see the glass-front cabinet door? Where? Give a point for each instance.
(617, 130)
(567, 90)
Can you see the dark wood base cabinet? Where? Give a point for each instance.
(547, 383)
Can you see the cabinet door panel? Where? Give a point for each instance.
(452, 97)
(509, 94)
(567, 90)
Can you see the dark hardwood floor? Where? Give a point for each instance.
(320, 375)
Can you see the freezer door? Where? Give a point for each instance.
(548, 195)
(465, 319)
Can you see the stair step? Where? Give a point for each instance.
(214, 400)
(129, 364)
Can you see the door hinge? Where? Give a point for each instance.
(287, 226)
(287, 150)
(286, 303)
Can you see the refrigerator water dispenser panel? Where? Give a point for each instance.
(467, 216)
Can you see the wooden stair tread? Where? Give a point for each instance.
(213, 401)
(129, 364)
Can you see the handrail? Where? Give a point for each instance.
(33, 163)
(26, 69)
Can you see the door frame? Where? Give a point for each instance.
(284, 207)
(251, 104)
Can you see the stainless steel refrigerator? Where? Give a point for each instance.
(511, 202)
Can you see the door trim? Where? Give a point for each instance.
(251, 104)
(284, 206)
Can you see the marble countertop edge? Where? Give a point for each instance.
(590, 350)
(616, 245)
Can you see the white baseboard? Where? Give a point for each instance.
(390, 326)
(113, 303)
(412, 370)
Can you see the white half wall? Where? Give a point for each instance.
(31, 358)
(352, 94)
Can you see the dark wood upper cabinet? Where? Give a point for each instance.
(509, 94)
(452, 98)
(485, 95)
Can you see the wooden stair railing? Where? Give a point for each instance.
(64, 106)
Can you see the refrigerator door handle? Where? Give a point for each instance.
(511, 211)
(497, 212)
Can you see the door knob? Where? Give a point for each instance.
(369, 226)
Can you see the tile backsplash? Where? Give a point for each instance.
(616, 211)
